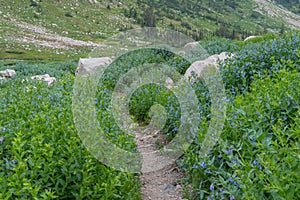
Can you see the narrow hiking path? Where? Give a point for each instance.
(160, 176)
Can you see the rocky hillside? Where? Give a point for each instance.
(61, 28)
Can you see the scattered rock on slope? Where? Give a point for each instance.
(49, 80)
(8, 73)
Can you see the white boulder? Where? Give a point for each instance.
(8, 73)
(45, 77)
(50, 81)
(200, 65)
(87, 66)
(250, 37)
(40, 77)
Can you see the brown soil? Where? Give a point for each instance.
(160, 175)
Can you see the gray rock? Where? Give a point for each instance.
(45, 77)
(87, 66)
(201, 65)
(8, 73)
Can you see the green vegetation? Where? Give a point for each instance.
(294, 6)
(23, 23)
(41, 155)
(257, 156)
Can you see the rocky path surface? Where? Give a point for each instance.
(160, 176)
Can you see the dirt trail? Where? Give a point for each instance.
(160, 175)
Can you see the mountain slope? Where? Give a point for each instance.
(292, 5)
(69, 25)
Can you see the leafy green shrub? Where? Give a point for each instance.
(257, 156)
(262, 38)
(259, 59)
(41, 154)
(216, 45)
(142, 99)
(145, 97)
(261, 127)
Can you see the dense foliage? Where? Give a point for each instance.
(41, 155)
(257, 156)
(292, 5)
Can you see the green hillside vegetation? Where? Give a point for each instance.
(22, 22)
(41, 153)
(257, 156)
(292, 5)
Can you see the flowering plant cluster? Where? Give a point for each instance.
(257, 156)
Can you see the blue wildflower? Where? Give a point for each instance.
(230, 180)
(14, 162)
(229, 150)
(212, 187)
(202, 164)
(234, 162)
(221, 190)
(3, 129)
(231, 197)
(222, 197)
(225, 99)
